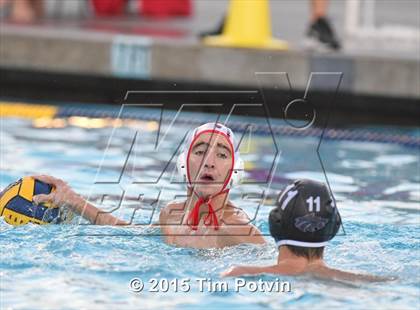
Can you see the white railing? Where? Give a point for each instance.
(360, 24)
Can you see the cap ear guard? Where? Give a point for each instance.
(237, 173)
(181, 165)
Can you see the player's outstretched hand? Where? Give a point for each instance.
(62, 195)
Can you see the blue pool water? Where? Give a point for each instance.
(78, 266)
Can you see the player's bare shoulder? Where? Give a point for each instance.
(172, 213)
(239, 226)
(235, 215)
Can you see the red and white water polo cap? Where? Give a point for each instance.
(235, 174)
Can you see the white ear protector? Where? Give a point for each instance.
(181, 165)
(237, 173)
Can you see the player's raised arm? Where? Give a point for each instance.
(65, 196)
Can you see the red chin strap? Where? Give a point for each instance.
(211, 217)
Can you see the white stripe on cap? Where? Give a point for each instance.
(290, 196)
(288, 188)
(302, 243)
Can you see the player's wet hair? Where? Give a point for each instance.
(308, 253)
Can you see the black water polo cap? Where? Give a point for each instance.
(305, 215)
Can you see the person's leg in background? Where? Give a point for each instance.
(216, 31)
(320, 30)
(26, 11)
(38, 6)
(318, 9)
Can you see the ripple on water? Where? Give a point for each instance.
(89, 267)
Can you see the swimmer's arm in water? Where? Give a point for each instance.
(236, 271)
(323, 272)
(326, 272)
(65, 196)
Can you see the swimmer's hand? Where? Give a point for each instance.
(62, 196)
(65, 196)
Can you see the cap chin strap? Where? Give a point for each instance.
(211, 217)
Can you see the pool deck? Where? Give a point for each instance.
(169, 50)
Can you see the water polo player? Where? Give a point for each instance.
(303, 222)
(211, 165)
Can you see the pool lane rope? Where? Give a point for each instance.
(33, 111)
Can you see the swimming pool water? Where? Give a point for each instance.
(376, 185)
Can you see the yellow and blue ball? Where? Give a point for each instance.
(18, 208)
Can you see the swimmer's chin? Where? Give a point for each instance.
(210, 190)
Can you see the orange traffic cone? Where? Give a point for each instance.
(248, 24)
